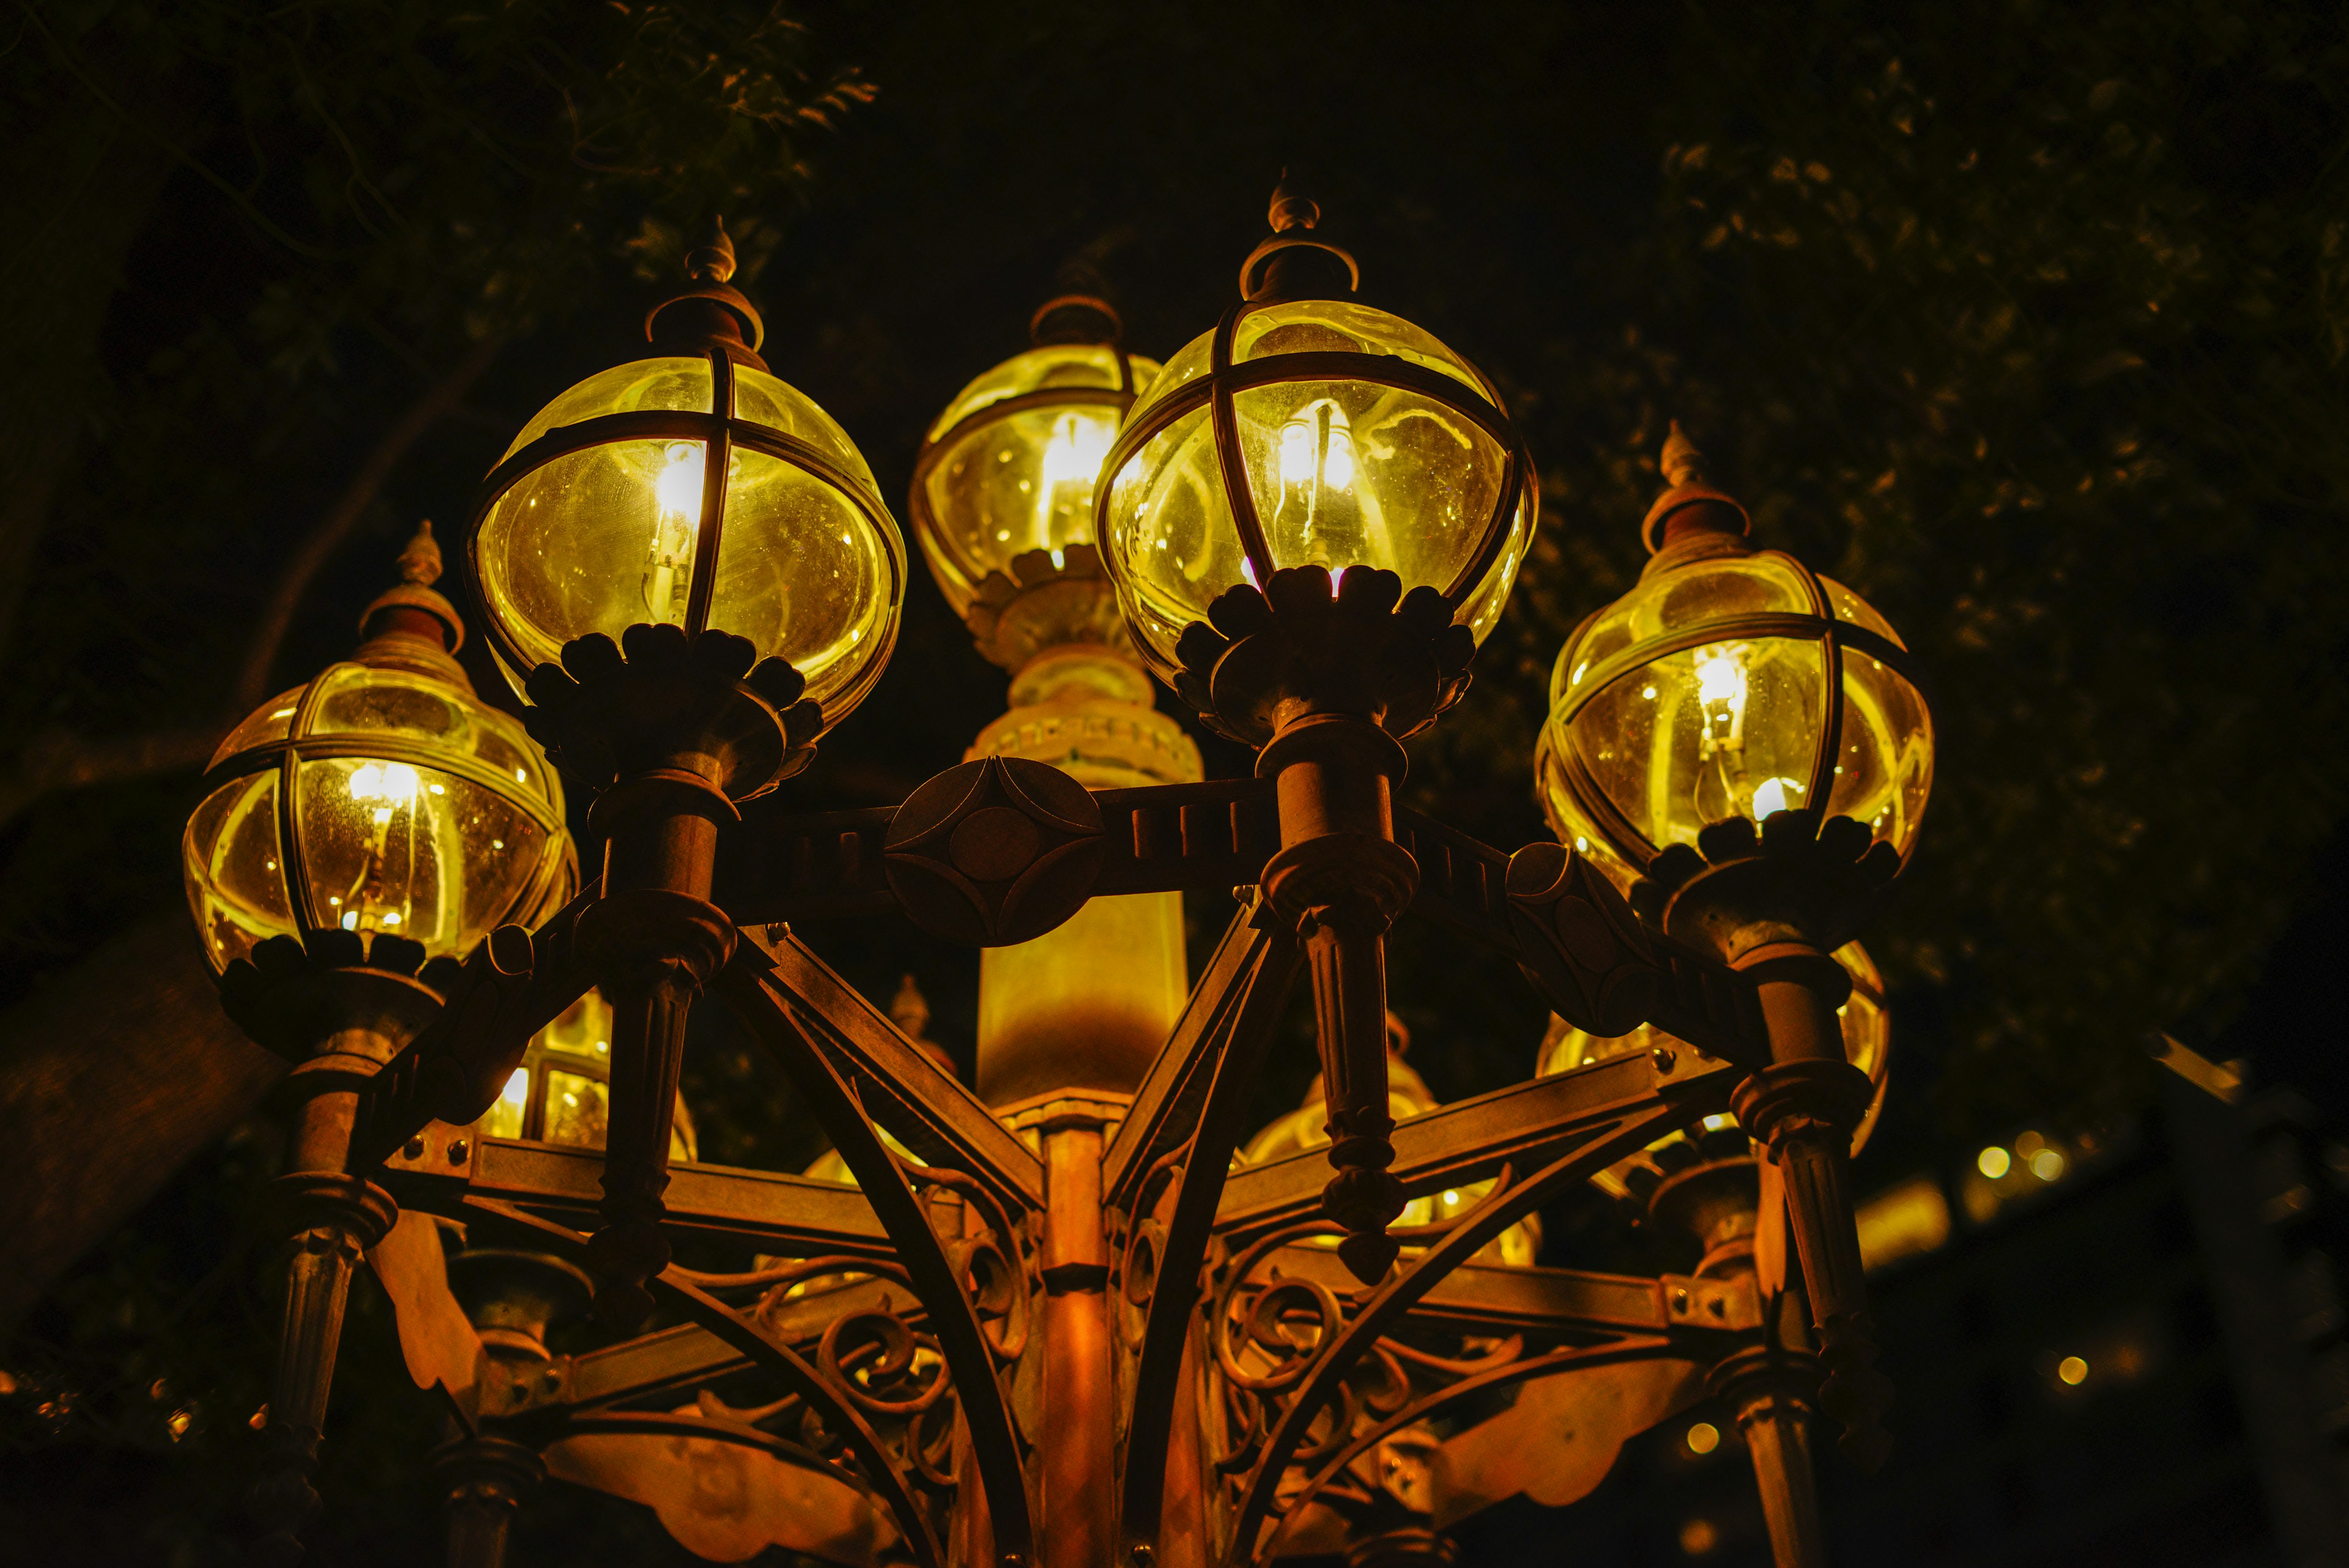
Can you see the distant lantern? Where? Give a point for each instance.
(1008, 468)
(562, 1092)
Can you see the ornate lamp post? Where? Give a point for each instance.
(1283, 482)
(688, 570)
(1750, 738)
(363, 834)
(1077, 1316)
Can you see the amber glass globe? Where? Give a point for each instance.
(1866, 1043)
(1009, 466)
(1736, 684)
(698, 492)
(376, 800)
(1312, 433)
(562, 1093)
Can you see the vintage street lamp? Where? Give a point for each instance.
(1272, 497)
(1076, 1317)
(364, 833)
(686, 570)
(1749, 737)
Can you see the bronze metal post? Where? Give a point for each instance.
(1767, 1388)
(1078, 1435)
(1343, 879)
(486, 1478)
(332, 1218)
(656, 939)
(1803, 1109)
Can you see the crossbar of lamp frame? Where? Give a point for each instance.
(1216, 836)
(1526, 1124)
(1601, 1137)
(877, 1472)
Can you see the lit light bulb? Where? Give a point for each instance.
(1770, 796)
(1723, 687)
(1070, 464)
(669, 567)
(380, 899)
(1317, 505)
(517, 1090)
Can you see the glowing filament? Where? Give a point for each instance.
(387, 794)
(1721, 688)
(669, 567)
(1069, 464)
(1770, 796)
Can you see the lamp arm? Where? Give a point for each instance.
(1624, 1350)
(897, 1084)
(1166, 1103)
(877, 1471)
(1597, 1144)
(756, 999)
(1247, 1011)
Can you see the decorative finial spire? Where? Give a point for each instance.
(708, 313)
(1291, 207)
(1683, 464)
(411, 625)
(1691, 520)
(712, 260)
(909, 1010)
(1291, 263)
(1079, 310)
(420, 562)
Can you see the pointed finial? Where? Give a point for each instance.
(909, 1010)
(420, 563)
(1291, 207)
(1691, 520)
(1291, 263)
(1683, 464)
(712, 260)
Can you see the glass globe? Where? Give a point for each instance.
(1866, 1043)
(562, 1092)
(1704, 694)
(1354, 438)
(378, 800)
(603, 514)
(1009, 466)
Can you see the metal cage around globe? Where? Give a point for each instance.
(698, 491)
(382, 798)
(1009, 466)
(1733, 683)
(1312, 431)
